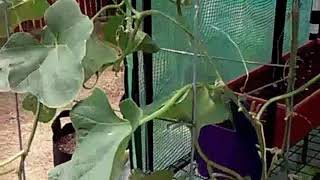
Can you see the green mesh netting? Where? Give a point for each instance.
(305, 7)
(232, 31)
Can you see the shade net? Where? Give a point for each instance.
(231, 32)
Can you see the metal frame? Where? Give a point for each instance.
(136, 98)
(148, 80)
(276, 58)
(305, 153)
(147, 58)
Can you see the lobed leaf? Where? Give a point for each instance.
(20, 11)
(50, 70)
(102, 140)
(103, 137)
(99, 55)
(210, 107)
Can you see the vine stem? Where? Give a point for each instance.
(132, 36)
(215, 165)
(171, 102)
(105, 8)
(7, 24)
(115, 2)
(267, 85)
(256, 121)
(7, 172)
(12, 158)
(287, 95)
(291, 81)
(128, 4)
(19, 131)
(139, 16)
(31, 137)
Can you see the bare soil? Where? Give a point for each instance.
(40, 160)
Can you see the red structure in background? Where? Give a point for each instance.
(306, 109)
(88, 7)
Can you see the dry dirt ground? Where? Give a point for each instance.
(39, 160)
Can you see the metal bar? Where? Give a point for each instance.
(279, 24)
(136, 98)
(148, 80)
(180, 163)
(135, 145)
(277, 48)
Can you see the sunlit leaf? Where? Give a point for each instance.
(148, 45)
(131, 111)
(141, 42)
(102, 140)
(22, 10)
(50, 70)
(111, 28)
(46, 114)
(99, 55)
(210, 107)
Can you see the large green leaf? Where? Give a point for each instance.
(131, 111)
(102, 140)
(210, 107)
(112, 28)
(46, 114)
(148, 45)
(141, 42)
(50, 70)
(99, 55)
(22, 10)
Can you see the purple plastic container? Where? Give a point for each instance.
(232, 148)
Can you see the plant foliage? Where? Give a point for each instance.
(20, 11)
(51, 70)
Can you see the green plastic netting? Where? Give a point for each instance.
(232, 31)
(305, 12)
